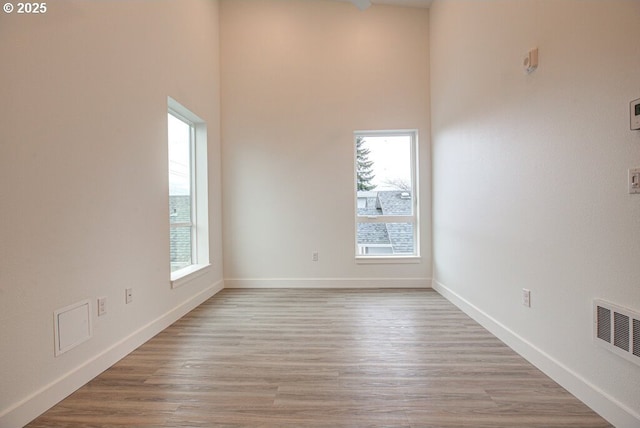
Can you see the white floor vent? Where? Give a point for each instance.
(617, 329)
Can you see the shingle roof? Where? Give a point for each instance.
(401, 237)
(371, 207)
(392, 202)
(387, 202)
(373, 233)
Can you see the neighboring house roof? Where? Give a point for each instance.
(372, 207)
(180, 242)
(386, 202)
(401, 237)
(373, 233)
(392, 202)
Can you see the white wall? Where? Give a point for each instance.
(83, 179)
(530, 179)
(298, 77)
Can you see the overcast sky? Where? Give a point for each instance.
(179, 140)
(391, 157)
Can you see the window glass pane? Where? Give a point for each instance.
(181, 247)
(180, 193)
(383, 163)
(179, 156)
(385, 239)
(180, 209)
(401, 237)
(385, 190)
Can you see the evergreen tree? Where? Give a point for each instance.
(364, 167)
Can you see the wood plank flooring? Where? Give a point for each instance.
(322, 358)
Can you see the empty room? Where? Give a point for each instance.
(408, 213)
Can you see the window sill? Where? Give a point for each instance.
(188, 274)
(388, 259)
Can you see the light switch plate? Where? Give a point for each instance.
(634, 180)
(634, 113)
(102, 306)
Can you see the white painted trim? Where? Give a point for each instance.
(414, 218)
(604, 404)
(37, 403)
(199, 182)
(384, 259)
(327, 283)
(188, 274)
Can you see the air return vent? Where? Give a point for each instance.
(636, 338)
(617, 329)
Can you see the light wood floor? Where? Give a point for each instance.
(322, 358)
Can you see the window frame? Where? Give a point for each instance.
(199, 195)
(191, 224)
(413, 219)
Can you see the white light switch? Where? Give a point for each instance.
(634, 112)
(634, 180)
(102, 306)
(530, 62)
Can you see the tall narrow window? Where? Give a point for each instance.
(188, 217)
(386, 194)
(181, 183)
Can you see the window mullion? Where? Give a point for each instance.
(185, 224)
(386, 219)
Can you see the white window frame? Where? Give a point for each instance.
(413, 218)
(199, 193)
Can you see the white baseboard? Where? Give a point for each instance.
(606, 406)
(327, 283)
(37, 403)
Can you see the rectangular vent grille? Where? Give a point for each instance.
(604, 324)
(636, 338)
(621, 331)
(617, 329)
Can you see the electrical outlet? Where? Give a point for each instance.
(102, 306)
(128, 295)
(526, 297)
(314, 256)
